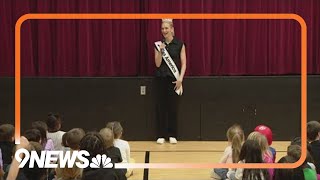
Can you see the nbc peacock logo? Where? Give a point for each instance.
(101, 161)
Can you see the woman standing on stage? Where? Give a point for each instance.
(170, 60)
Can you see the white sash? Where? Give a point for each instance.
(170, 63)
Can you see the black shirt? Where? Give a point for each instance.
(7, 150)
(115, 154)
(99, 174)
(315, 153)
(174, 49)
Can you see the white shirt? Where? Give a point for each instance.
(227, 155)
(56, 137)
(238, 174)
(124, 149)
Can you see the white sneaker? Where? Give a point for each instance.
(173, 140)
(160, 140)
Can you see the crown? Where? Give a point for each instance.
(167, 20)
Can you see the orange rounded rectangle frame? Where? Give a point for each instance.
(296, 17)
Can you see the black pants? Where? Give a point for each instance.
(167, 104)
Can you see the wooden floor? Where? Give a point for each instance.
(183, 152)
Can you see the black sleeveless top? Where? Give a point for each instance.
(174, 49)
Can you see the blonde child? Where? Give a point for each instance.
(113, 152)
(235, 137)
(123, 145)
(267, 132)
(263, 143)
(250, 153)
(72, 140)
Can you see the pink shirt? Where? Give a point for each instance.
(49, 145)
(267, 158)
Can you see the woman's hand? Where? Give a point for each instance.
(178, 84)
(162, 46)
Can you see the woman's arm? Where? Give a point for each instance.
(158, 55)
(183, 58)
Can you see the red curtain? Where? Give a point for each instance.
(125, 47)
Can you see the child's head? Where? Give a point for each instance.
(251, 152)
(94, 143)
(69, 173)
(280, 174)
(53, 122)
(108, 136)
(235, 136)
(297, 142)
(35, 173)
(116, 128)
(64, 140)
(74, 137)
(294, 151)
(313, 130)
(43, 128)
(260, 139)
(33, 135)
(266, 131)
(71, 139)
(6, 133)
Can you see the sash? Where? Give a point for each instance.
(170, 63)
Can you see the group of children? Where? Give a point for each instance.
(257, 149)
(46, 135)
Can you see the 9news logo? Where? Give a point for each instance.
(53, 159)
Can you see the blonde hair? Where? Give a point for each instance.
(167, 20)
(107, 135)
(73, 138)
(235, 135)
(261, 140)
(69, 173)
(170, 22)
(116, 128)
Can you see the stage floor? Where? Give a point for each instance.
(183, 152)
